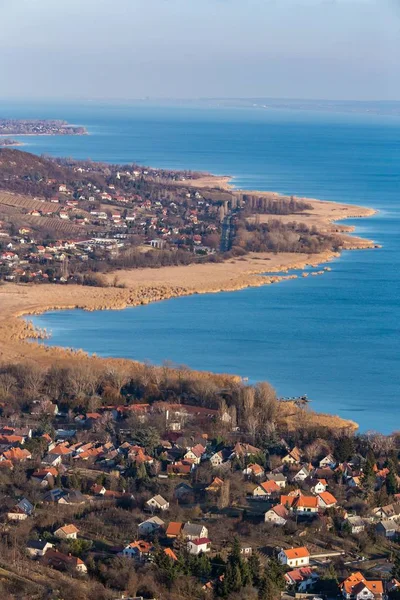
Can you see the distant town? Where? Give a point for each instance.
(62, 220)
(39, 127)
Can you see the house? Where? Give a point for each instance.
(180, 468)
(390, 511)
(37, 548)
(327, 461)
(318, 486)
(388, 529)
(293, 457)
(245, 450)
(302, 505)
(301, 579)
(301, 475)
(279, 479)
(174, 529)
(195, 454)
(266, 489)
(294, 557)
(356, 524)
(63, 562)
(356, 587)
(254, 470)
(21, 511)
(277, 515)
(17, 454)
(150, 525)
(45, 476)
(52, 460)
(183, 491)
(67, 532)
(219, 458)
(157, 503)
(215, 486)
(192, 531)
(326, 500)
(139, 550)
(199, 546)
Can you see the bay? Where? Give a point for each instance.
(334, 337)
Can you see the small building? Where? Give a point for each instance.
(293, 457)
(356, 524)
(266, 489)
(279, 479)
(67, 532)
(388, 529)
(199, 546)
(193, 531)
(326, 500)
(294, 557)
(157, 503)
(301, 579)
(138, 550)
(277, 515)
(150, 526)
(63, 562)
(173, 529)
(254, 470)
(37, 548)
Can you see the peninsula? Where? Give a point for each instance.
(39, 127)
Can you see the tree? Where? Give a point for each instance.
(391, 479)
(255, 568)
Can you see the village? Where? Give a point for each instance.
(99, 215)
(173, 489)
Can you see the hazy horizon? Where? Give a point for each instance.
(326, 50)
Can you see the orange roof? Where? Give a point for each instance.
(357, 578)
(68, 529)
(42, 472)
(141, 545)
(17, 454)
(6, 464)
(306, 502)
(256, 469)
(11, 439)
(327, 498)
(174, 528)
(60, 449)
(270, 487)
(170, 553)
(296, 553)
(288, 500)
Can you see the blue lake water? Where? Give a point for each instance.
(334, 337)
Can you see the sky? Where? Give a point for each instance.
(127, 49)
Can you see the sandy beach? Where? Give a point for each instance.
(142, 286)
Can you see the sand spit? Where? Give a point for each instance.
(143, 286)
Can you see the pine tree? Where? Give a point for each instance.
(391, 481)
(369, 470)
(396, 566)
(235, 557)
(255, 569)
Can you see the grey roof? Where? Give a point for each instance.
(192, 529)
(37, 544)
(25, 506)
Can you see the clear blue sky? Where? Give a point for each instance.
(335, 49)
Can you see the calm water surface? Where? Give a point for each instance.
(334, 337)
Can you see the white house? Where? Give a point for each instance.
(279, 479)
(356, 524)
(294, 557)
(278, 515)
(158, 503)
(319, 486)
(37, 547)
(199, 545)
(266, 489)
(301, 579)
(301, 475)
(326, 500)
(193, 531)
(67, 532)
(327, 461)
